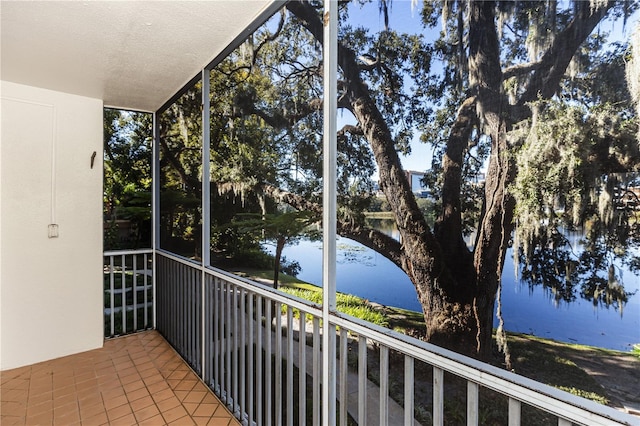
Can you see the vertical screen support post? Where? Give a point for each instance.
(329, 216)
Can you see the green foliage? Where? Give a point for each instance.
(265, 112)
(346, 303)
(585, 394)
(429, 209)
(127, 178)
(560, 185)
(180, 138)
(552, 171)
(127, 157)
(379, 204)
(290, 225)
(283, 229)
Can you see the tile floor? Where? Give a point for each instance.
(137, 379)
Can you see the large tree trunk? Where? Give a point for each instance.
(496, 223)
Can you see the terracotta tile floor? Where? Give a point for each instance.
(138, 379)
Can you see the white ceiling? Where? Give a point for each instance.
(130, 54)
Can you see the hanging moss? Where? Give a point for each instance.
(557, 178)
(633, 69)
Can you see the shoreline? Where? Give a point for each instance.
(406, 318)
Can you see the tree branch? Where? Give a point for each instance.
(371, 238)
(520, 69)
(449, 226)
(294, 200)
(170, 156)
(352, 130)
(282, 119)
(268, 39)
(545, 81)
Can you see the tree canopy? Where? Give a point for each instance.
(127, 177)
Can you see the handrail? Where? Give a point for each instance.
(127, 251)
(545, 397)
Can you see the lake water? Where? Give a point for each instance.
(367, 274)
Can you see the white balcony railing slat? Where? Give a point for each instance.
(514, 412)
(408, 390)
(384, 386)
(344, 366)
(112, 294)
(235, 348)
(243, 350)
(315, 394)
(268, 354)
(278, 364)
(472, 404)
(438, 396)
(302, 366)
(289, 366)
(362, 380)
(259, 382)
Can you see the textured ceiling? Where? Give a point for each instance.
(130, 54)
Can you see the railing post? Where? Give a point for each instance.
(344, 367)
(472, 404)
(362, 379)
(302, 365)
(330, 59)
(438, 396)
(384, 386)
(112, 303)
(409, 377)
(135, 292)
(514, 412)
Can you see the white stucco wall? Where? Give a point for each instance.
(50, 288)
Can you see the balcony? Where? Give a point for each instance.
(226, 345)
(245, 350)
(261, 352)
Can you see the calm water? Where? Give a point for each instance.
(367, 274)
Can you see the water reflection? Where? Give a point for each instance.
(553, 310)
(573, 264)
(388, 226)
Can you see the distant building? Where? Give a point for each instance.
(415, 180)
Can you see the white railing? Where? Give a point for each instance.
(128, 291)
(260, 351)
